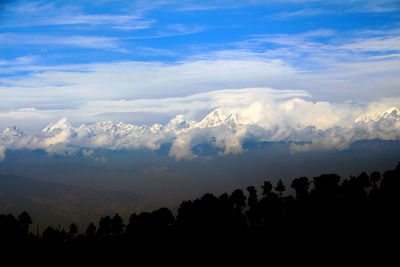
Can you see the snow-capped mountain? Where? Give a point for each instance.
(12, 131)
(219, 128)
(218, 118)
(392, 113)
(114, 129)
(179, 123)
(176, 126)
(57, 127)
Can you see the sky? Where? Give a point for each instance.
(78, 78)
(59, 58)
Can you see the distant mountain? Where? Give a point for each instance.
(58, 203)
(13, 131)
(224, 130)
(218, 118)
(57, 127)
(392, 113)
(62, 131)
(176, 125)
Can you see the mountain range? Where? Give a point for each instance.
(226, 131)
(392, 113)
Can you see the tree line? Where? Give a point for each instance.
(363, 207)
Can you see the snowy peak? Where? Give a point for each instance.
(176, 126)
(213, 119)
(57, 127)
(108, 128)
(13, 131)
(119, 129)
(178, 123)
(218, 118)
(63, 131)
(392, 113)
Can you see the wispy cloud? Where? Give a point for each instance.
(324, 46)
(299, 13)
(336, 6)
(384, 6)
(25, 60)
(49, 14)
(375, 44)
(327, 71)
(211, 5)
(123, 22)
(95, 42)
(169, 31)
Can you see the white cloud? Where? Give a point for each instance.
(85, 41)
(117, 20)
(337, 70)
(19, 61)
(51, 14)
(299, 13)
(374, 44)
(76, 85)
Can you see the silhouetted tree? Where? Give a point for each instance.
(90, 230)
(375, 178)
(163, 220)
(326, 186)
(238, 199)
(131, 227)
(52, 236)
(140, 225)
(10, 228)
(252, 200)
(280, 187)
(48, 234)
(73, 230)
(25, 220)
(345, 211)
(252, 203)
(117, 225)
(105, 226)
(301, 185)
(363, 180)
(267, 188)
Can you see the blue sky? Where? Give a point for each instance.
(314, 63)
(63, 32)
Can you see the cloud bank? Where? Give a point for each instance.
(235, 117)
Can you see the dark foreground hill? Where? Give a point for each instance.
(53, 203)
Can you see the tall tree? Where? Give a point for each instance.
(267, 188)
(117, 225)
(25, 220)
(280, 187)
(238, 199)
(301, 186)
(105, 226)
(73, 230)
(90, 230)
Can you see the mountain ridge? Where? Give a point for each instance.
(392, 113)
(222, 129)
